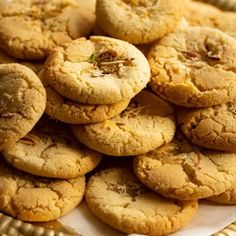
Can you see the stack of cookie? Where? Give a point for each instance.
(89, 100)
(51, 163)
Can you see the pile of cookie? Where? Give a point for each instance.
(70, 103)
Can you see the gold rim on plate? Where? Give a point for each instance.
(12, 227)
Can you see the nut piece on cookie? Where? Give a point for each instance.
(213, 127)
(51, 150)
(31, 29)
(100, 70)
(34, 199)
(146, 124)
(183, 171)
(119, 200)
(22, 102)
(139, 21)
(194, 67)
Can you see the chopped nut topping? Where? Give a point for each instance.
(28, 140)
(192, 55)
(108, 62)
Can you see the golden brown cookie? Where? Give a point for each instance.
(65, 110)
(202, 14)
(22, 102)
(138, 21)
(213, 127)
(194, 67)
(41, 26)
(33, 199)
(51, 150)
(100, 70)
(118, 199)
(183, 171)
(146, 124)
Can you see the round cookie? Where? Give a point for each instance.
(146, 124)
(182, 171)
(202, 14)
(51, 150)
(71, 112)
(228, 197)
(100, 70)
(194, 67)
(36, 199)
(22, 102)
(213, 127)
(118, 199)
(41, 26)
(138, 21)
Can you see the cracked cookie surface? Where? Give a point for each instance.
(51, 150)
(228, 197)
(118, 199)
(100, 70)
(183, 171)
(68, 111)
(138, 21)
(31, 198)
(23, 101)
(41, 26)
(213, 127)
(194, 67)
(202, 14)
(147, 123)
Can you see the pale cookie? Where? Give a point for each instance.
(118, 199)
(202, 14)
(138, 21)
(213, 127)
(30, 198)
(31, 29)
(22, 102)
(194, 67)
(146, 124)
(100, 70)
(65, 110)
(183, 171)
(228, 197)
(51, 150)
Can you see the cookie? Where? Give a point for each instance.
(100, 70)
(51, 150)
(228, 197)
(34, 199)
(194, 67)
(202, 14)
(23, 101)
(146, 124)
(41, 26)
(65, 110)
(213, 127)
(118, 199)
(138, 21)
(183, 171)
